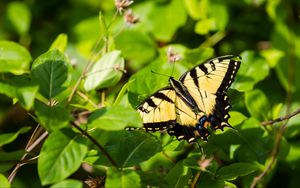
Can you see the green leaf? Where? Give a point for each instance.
(52, 118)
(162, 17)
(257, 104)
(198, 55)
(272, 56)
(235, 170)
(252, 70)
(11, 156)
(178, 176)
(20, 88)
(292, 158)
(106, 72)
(142, 48)
(192, 8)
(219, 14)
(61, 155)
(122, 178)
(7, 138)
(127, 148)
(86, 31)
(8, 159)
(254, 145)
(114, 118)
(122, 92)
(14, 58)
(272, 8)
(19, 15)
(210, 182)
(4, 182)
(146, 82)
(50, 71)
(60, 43)
(236, 118)
(204, 26)
(68, 183)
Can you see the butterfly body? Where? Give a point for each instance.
(196, 101)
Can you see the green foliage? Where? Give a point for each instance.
(106, 72)
(119, 116)
(81, 87)
(61, 155)
(3, 181)
(68, 183)
(14, 58)
(50, 71)
(10, 137)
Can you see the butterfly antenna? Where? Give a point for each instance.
(161, 74)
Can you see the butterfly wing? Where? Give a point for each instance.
(158, 111)
(185, 128)
(207, 83)
(214, 76)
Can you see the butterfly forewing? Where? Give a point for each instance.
(214, 76)
(158, 111)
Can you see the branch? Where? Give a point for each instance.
(273, 156)
(288, 116)
(30, 146)
(195, 180)
(101, 148)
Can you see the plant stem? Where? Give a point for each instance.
(288, 116)
(29, 147)
(101, 148)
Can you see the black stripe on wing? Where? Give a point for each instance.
(229, 76)
(157, 95)
(159, 126)
(154, 111)
(220, 116)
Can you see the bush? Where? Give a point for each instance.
(71, 79)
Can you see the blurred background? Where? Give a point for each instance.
(266, 31)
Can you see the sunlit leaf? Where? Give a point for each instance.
(14, 58)
(252, 70)
(4, 182)
(122, 178)
(114, 118)
(86, 31)
(236, 118)
(138, 49)
(19, 15)
(105, 72)
(257, 104)
(60, 43)
(68, 183)
(163, 17)
(192, 7)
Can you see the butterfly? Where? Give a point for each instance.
(188, 106)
